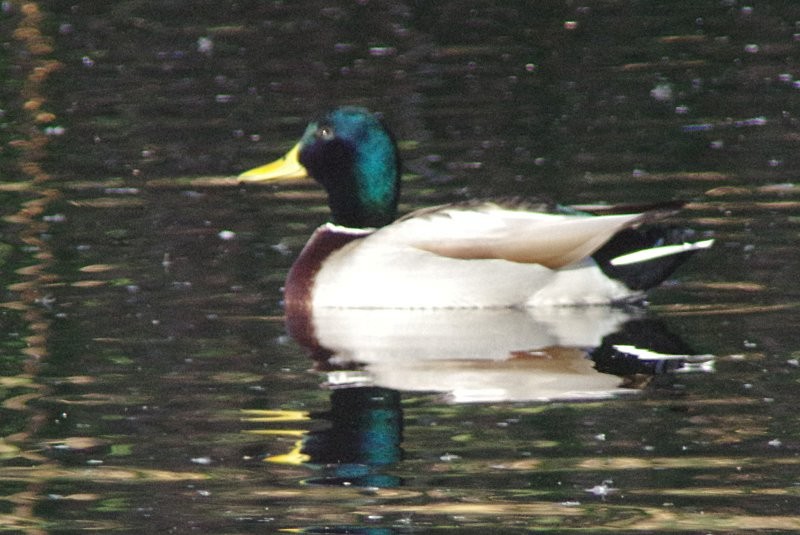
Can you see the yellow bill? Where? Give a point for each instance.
(288, 166)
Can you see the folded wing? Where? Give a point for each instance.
(490, 231)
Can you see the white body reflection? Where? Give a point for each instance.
(472, 355)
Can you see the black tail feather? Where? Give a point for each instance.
(644, 275)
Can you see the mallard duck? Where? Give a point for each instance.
(473, 254)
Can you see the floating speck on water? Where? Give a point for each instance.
(54, 218)
(87, 61)
(570, 25)
(717, 144)
(775, 443)
(601, 437)
(697, 127)
(793, 362)
(662, 92)
(223, 99)
(226, 235)
(603, 489)
(752, 48)
(382, 51)
(753, 121)
(281, 248)
(530, 67)
(343, 48)
(204, 493)
(201, 460)
(55, 131)
(205, 45)
(448, 457)
(681, 110)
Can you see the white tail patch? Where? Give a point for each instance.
(644, 255)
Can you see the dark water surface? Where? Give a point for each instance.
(148, 384)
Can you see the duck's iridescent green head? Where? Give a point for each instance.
(352, 154)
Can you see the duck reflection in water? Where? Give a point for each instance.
(466, 357)
(493, 355)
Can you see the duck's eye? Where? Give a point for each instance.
(325, 133)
